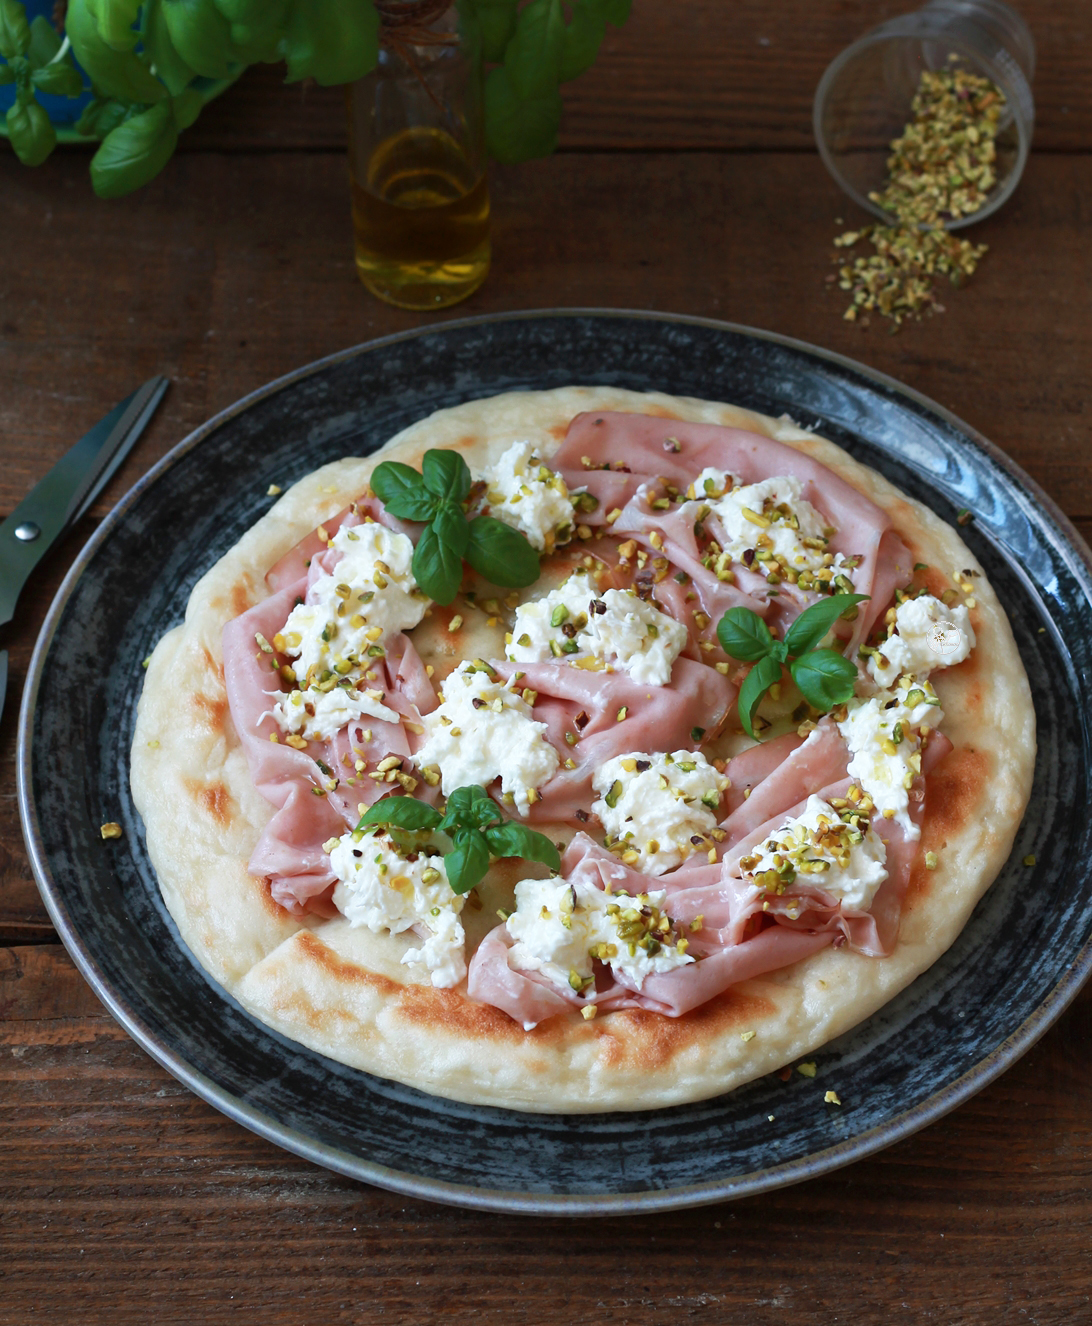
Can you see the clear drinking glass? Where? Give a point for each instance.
(863, 99)
(417, 160)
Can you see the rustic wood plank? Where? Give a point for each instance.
(222, 291)
(119, 1181)
(690, 75)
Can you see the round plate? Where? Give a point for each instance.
(1018, 962)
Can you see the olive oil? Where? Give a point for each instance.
(420, 219)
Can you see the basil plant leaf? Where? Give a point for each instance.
(518, 128)
(583, 37)
(437, 566)
(472, 808)
(824, 678)
(401, 811)
(514, 840)
(467, 861)
(744, 635)
(497, 23)
(32, 135)
(761, 677)
(533, 57)
(501, 554)
(135, 152)
(44, 42)
(445, 474)
(60, 79)
(814, 622)
(402, 491)
(14, 29)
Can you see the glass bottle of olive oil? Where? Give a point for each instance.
(417, 166)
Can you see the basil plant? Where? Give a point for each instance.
(148, 62)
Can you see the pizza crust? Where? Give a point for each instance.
(344, 993)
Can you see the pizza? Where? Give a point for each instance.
(603, 750)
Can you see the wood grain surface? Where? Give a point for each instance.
(687, 182)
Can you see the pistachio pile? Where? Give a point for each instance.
(940, 169)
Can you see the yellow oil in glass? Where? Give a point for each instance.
(421, 220)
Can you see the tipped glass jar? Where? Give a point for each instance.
(863, 100)
(417, 160)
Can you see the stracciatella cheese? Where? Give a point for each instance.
(662, 806)
(928, 634)
(378, 887)
(371, 595)
(884, 739)
(530, 497)
(318, 715)
(618, 629)
(485, 730)
(560, 927)
(846, 860)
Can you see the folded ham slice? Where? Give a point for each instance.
(586, 705)
(653, 450)
(317, 792)
(745, 932)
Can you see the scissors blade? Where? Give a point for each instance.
(69, 489)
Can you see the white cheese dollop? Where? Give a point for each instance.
(560, 927)
(836, 857)
(883, 736)
(797, 519)
(485, 730)
(370, 595)
(317, 715)
(618, 629)
(378, 888)
(530, 497)
(930, 635)
(657, 803)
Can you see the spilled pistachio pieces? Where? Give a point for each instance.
(941, 168)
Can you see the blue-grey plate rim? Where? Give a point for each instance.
(866, 1143)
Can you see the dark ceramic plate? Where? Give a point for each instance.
(1019, 961)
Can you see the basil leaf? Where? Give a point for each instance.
(467, 861)
(744, 635)
(583, 37)
(135, 152)
(330, 42)
(519, 128)
(814, 622)
(60, 79)
(404, 812)
(402, 491)
(470, 807)
(824, 678)
(438, 557)
(497, 22)
(32, 135)
(533, 57)
(14, 29)
(100, 115)
(759, 680)
(501, 554)
(514, 840)
(44, 42)
(445, 473)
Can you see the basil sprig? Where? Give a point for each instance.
(476, 827)
(824, 677)
(438, 496)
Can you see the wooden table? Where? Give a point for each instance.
(687, 181)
